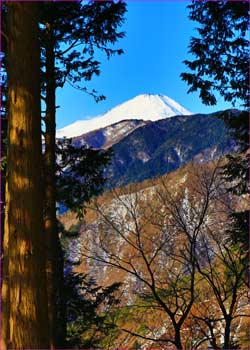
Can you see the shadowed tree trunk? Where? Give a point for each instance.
(54, 263)
(25, 318)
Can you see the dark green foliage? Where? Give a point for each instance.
(238, 124)
(237, 170)
(222, 64)
(87, 309)
(136, 345)
(73, 230)
(191, 136)
(79, 29)
(240, 230)
(236, 173)
(80, 174)
(221, 51)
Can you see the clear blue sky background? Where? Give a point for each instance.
(156, 44)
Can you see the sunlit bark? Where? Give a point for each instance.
(24, 289)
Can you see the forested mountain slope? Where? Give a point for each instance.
(145, 149)
(163, 146)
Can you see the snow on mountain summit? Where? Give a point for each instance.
(145, 107)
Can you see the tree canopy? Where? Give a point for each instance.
(221, 65)
(77, 29)
(221, 51)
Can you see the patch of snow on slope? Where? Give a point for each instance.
(145, 107)
(143, 156)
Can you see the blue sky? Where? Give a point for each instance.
(156, 44)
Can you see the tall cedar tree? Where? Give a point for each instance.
(79, 29)
(221, 65)
(25, 318)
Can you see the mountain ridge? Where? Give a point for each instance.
(165, 145)
(147, 107)
(106, 137)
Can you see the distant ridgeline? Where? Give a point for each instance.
(144, 149)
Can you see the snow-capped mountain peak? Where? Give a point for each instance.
(146, 107)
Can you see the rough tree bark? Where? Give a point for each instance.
(25, 317)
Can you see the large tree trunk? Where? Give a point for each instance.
(25, 315)
(54, 263)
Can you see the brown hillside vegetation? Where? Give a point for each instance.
(184, 284)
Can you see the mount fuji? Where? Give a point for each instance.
(147, 107)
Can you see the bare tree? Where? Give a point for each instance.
(224, 274)
(164, 237)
